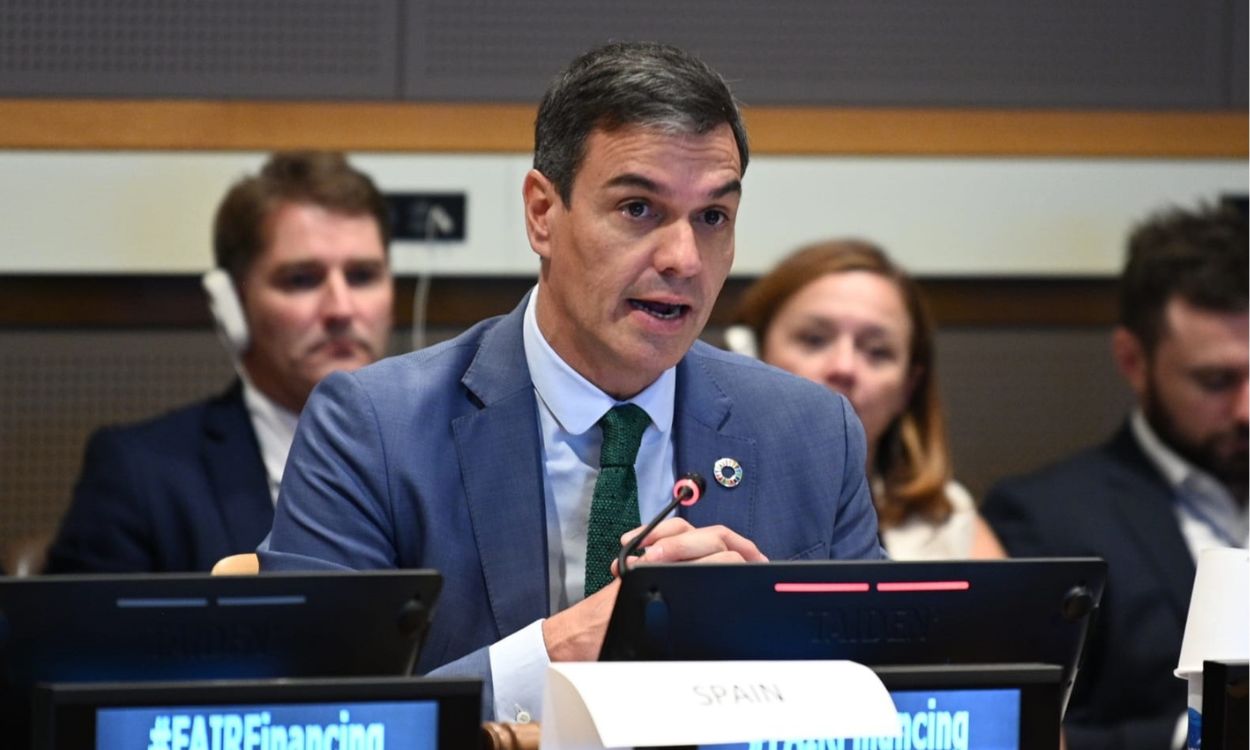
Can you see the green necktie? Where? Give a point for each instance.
(614, 508)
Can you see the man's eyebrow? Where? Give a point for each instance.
(299, 264)
(629, 179)
(733, 186)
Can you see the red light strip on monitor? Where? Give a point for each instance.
(924, 586)
(820, 588)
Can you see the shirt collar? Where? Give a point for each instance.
(274, 426)
(1178, 472)
(575, 402)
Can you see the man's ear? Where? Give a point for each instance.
(1131, 358)
(541, 199)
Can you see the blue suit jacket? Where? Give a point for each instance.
(1111, 502)
(175, 493)
(433, 459)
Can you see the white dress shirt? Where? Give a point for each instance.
(569, 409)
(1208, 514)
(274, 426)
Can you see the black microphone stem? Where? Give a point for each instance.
(632, 546)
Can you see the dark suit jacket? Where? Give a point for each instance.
(175, 493)
(1111, 502)
(433, 459)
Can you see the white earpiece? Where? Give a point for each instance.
(740, 339)
(227, 312)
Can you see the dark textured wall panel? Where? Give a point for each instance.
(1022, 398)
(1239, 50)
(56, 387)
(1105, 53)
(1015, 400)
(220, 48)
(1043, 53)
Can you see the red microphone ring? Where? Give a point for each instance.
(686, 484)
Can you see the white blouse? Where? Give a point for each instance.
(918, 538)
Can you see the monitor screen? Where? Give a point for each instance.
(966, 708)
(355, 713)
(412, 724)
(146, 627)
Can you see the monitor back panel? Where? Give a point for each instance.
(875, 613)
(197, 627)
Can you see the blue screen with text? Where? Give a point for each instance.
(929, 720)
(411, 725)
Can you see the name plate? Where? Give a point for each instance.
(596, 705)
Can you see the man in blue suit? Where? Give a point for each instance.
(1170, 482)
(480, 457)
(302, 288)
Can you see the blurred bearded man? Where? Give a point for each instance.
(1169, 484)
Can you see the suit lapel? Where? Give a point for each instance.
(701, 438)
(498, 448)
(235, 471)
(1144, 503)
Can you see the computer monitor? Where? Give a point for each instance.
(146, 627)
(1225, 704)
(877, 613)
(364, 713)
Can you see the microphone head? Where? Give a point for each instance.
(689, 489)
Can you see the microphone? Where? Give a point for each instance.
(686, 492)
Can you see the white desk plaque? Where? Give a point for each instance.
(596, 705)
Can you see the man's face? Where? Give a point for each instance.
(317, 299)
(633, 264)
(1194, 389)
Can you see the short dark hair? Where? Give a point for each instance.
(1199, 256)
(628, 83)
(320, 178)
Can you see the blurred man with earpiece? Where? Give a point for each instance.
(302, 288)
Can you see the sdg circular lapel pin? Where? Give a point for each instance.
(728, 472)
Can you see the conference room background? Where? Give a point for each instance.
(999, 150)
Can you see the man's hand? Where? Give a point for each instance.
(675, 540)
(576, 634)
